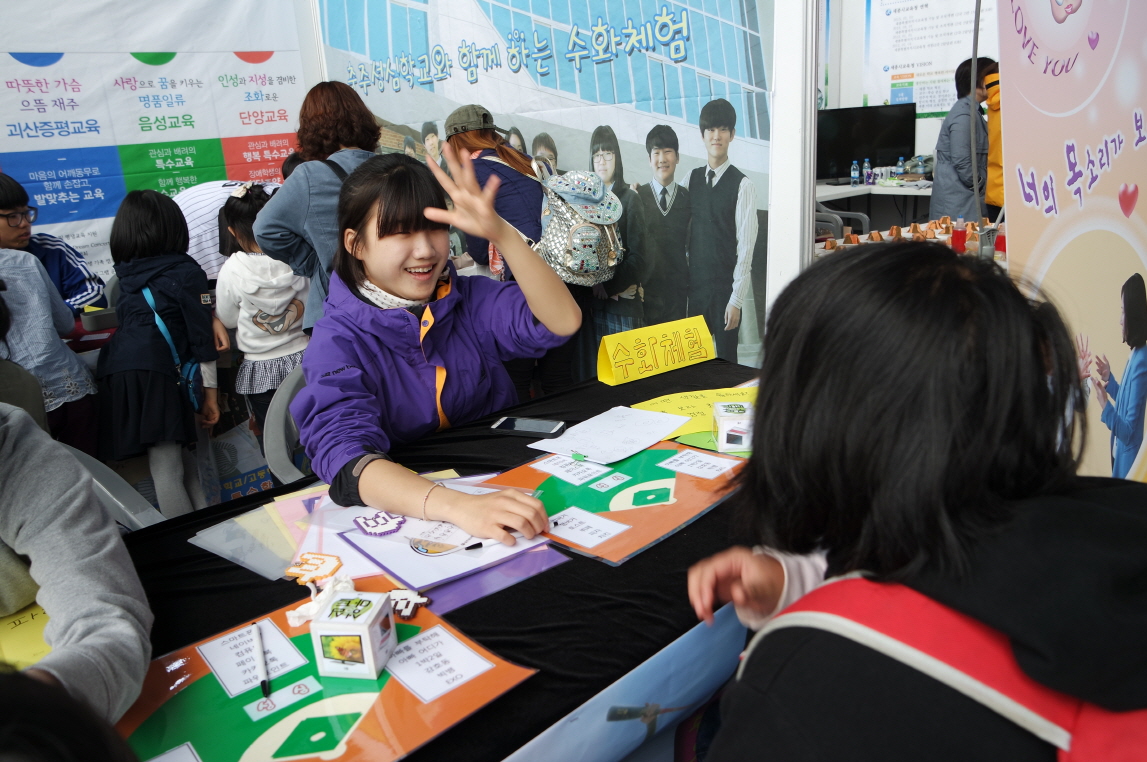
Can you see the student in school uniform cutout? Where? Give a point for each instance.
(667, 215)
(724, 231)
(618, 306)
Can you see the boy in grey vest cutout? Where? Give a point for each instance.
(667, 215)
(723, 233)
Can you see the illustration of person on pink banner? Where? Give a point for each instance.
(1061, 9)
(1123, 402)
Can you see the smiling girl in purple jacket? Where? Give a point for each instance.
(406, 347)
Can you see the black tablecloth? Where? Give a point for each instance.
(583, 624)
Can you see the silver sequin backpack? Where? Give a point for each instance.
(579, 239)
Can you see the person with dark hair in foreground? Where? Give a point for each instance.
(298, 226)
(42, 723)
(61, 549)
(1123, 402)
(143, 409)
(957, 480)
(66, 267)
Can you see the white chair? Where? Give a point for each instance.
(125, 505)
(280, 434)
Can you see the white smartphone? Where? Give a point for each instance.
(529, 427)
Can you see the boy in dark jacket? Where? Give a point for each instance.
(667, 215)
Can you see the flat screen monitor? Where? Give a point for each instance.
(880, 133)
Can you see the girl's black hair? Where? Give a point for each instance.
(1134, 295)
(907, 395)
(240, 213)
(12, 193)
(147, 224)
(43, 723)
(393, 190)
(604, 139)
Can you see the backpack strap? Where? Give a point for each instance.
(944, 644)
(520, 172)
(340, 173)
(162, 326)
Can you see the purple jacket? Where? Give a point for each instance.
(380, 378)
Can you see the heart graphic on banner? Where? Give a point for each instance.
(1128, 197)
(1093, 40)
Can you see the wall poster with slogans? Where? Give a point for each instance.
(575, 79)
(94, 107)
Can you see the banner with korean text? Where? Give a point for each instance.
(1073, 100)
(93, 107)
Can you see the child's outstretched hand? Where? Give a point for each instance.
(473, 205)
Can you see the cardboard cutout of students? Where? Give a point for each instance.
(667, 215)
(723, 233)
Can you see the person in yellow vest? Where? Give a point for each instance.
(994, 193)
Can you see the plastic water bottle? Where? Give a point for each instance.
(899, 172)
(855, 174)
(869, 177)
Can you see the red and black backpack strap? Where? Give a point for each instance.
(967, 656)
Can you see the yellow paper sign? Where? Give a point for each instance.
(22, 637)
(644, 352)
(697, 405)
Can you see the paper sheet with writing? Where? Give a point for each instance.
(614, 435)
(233, 659)
(697, 405)
(583, 527)
(435, 662)
(22, 637)
(570, 471)
(698, 464)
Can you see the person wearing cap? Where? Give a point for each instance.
(471, 131)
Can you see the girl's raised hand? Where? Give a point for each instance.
(473, 205)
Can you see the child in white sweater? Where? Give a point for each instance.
(264, 300)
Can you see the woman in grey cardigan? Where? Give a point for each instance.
(299, 225)
(952, 193)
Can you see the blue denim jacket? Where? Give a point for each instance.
(299, 225)
(39, 318)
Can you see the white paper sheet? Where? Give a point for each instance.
(583, 527)
(616, 479)
(324, 538)
(575, 472)
(233, 659)
(614, 435)
(434, 662)
(183, 753)
(281, 698)
(419, 571)
(698, 464)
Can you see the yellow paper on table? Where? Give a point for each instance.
(22, 637)
(697, 405)
(643, 352)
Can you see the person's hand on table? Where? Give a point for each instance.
(752, 582)
(491, 516)
(222, 338)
